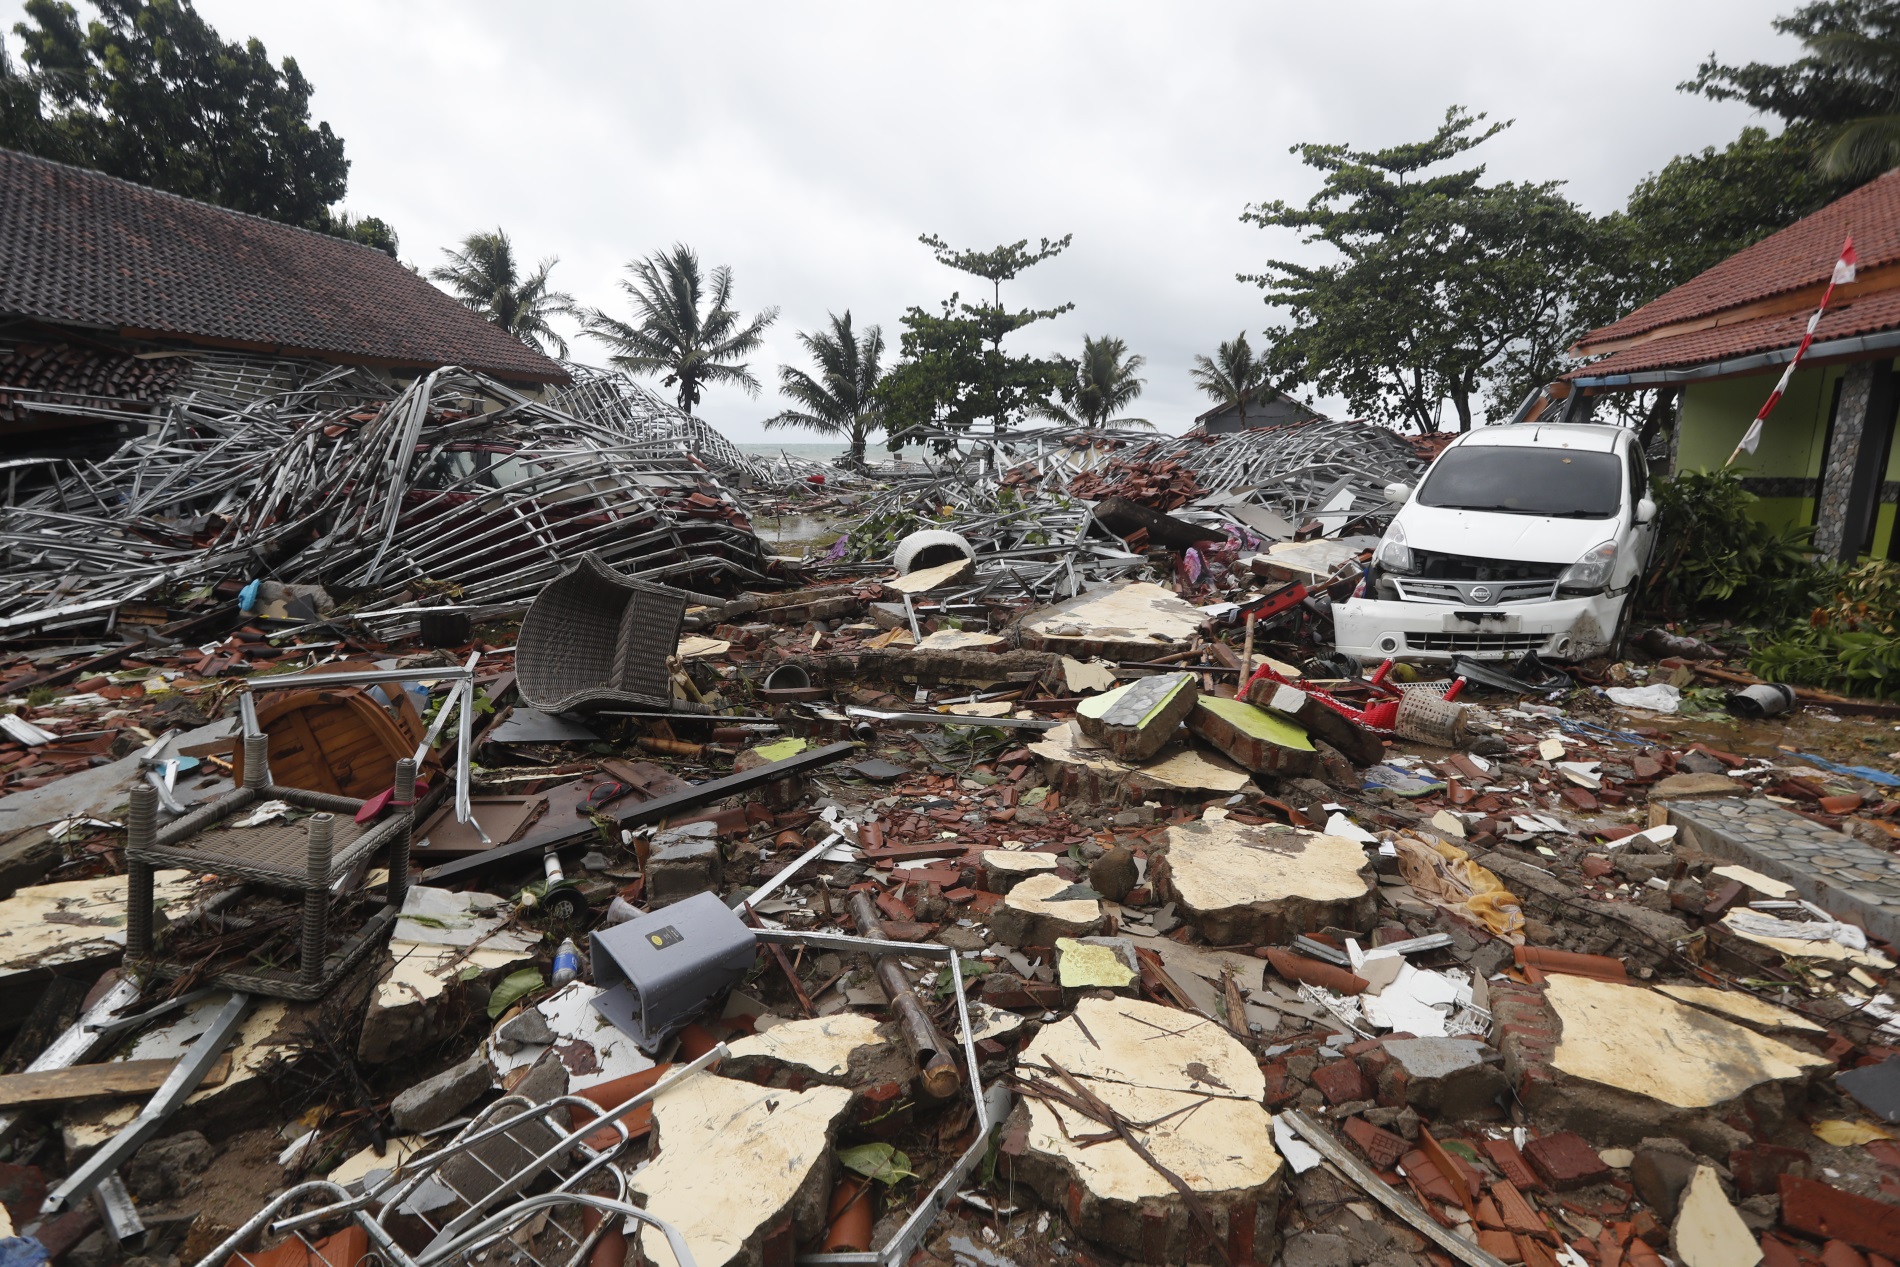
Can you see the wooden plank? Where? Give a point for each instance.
(111, 1079)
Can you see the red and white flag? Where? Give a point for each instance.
(1844, 270)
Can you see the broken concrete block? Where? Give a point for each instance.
(527, 1028)
(1628, 1063)
(1136, 621)
(1660, 1170)
(264, 1039)
(1044, 907)
(1004, 868)
(440, 936)
(1253, 738)
(1115, 873)
(711, 1131)
(1099, 963)
(1150, 1064)
(1708, 1232)
(434, 1101)
(1329, 725)
(1246, 885)
(1137, 720)
(1744, 1009)
(1448, 1079)
(1084, 771)
(843, 1050)
(76, 921)
(682, 862)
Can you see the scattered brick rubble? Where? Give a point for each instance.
(1597, 986)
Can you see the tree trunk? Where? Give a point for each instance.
(1461, 400)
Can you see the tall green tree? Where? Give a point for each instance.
(146, 90)
(954, 372)
(485, 277)
(1443, 284)
(1233, 377)
(1097, 385)
(1840, 101)
(841, 399)
(684, 326)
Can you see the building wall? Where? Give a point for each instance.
(1785, 471)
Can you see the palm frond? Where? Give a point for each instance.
(1862, 148)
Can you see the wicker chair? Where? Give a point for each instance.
(597, 639)
(305, 857)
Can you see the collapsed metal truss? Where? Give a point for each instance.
(458, 489)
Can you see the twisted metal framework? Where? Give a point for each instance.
(459, 481)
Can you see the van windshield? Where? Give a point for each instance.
(1507, 479)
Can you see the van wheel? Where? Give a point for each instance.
(1623, 620)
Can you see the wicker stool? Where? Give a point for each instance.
(304, 858)
(597, 639)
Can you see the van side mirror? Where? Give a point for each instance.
(1396, 492)
(1645, 511)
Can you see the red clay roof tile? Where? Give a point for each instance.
(81, 248)
(1802, 254)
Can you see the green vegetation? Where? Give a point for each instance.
(1852, 641)
(1807, 623)
(1716, 560)
(684, 328)
(1097, 385)
(842, 400)
(954, 373)
(149, 92)
(1445, 283)
(484, 276)
(1233, 377)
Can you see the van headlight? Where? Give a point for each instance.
(1395, 555)
(1591, 573)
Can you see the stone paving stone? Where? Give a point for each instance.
(1849, 879)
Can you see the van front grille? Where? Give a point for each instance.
(1494, 644)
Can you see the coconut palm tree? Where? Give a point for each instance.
(684, 326)
(842, 399)
(484, 277)
(1099, 384)
(1863, 148)
(1233, 377)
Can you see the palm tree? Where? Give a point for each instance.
(681, 329)
(1100, 384)
(842, 399)
(484, 277)
(1233, 378)
(1863, 148)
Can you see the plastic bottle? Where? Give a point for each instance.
(567, 962)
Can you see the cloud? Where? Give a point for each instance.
(808, 145)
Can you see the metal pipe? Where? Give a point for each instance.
(938, 1068)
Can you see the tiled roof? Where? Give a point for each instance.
(81, 248)
(1864, 315)
(1800, 255)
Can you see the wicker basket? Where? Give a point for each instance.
(597, 639)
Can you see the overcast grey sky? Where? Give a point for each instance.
(807, 145)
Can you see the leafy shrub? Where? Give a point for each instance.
(1851, 642)
(1715, 559)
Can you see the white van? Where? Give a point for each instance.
(1527, 537)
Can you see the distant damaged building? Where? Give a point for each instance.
(190, 396)
(113, 295)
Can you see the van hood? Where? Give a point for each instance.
(1483, 534)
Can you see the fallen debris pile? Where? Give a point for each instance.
(1031, 885)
